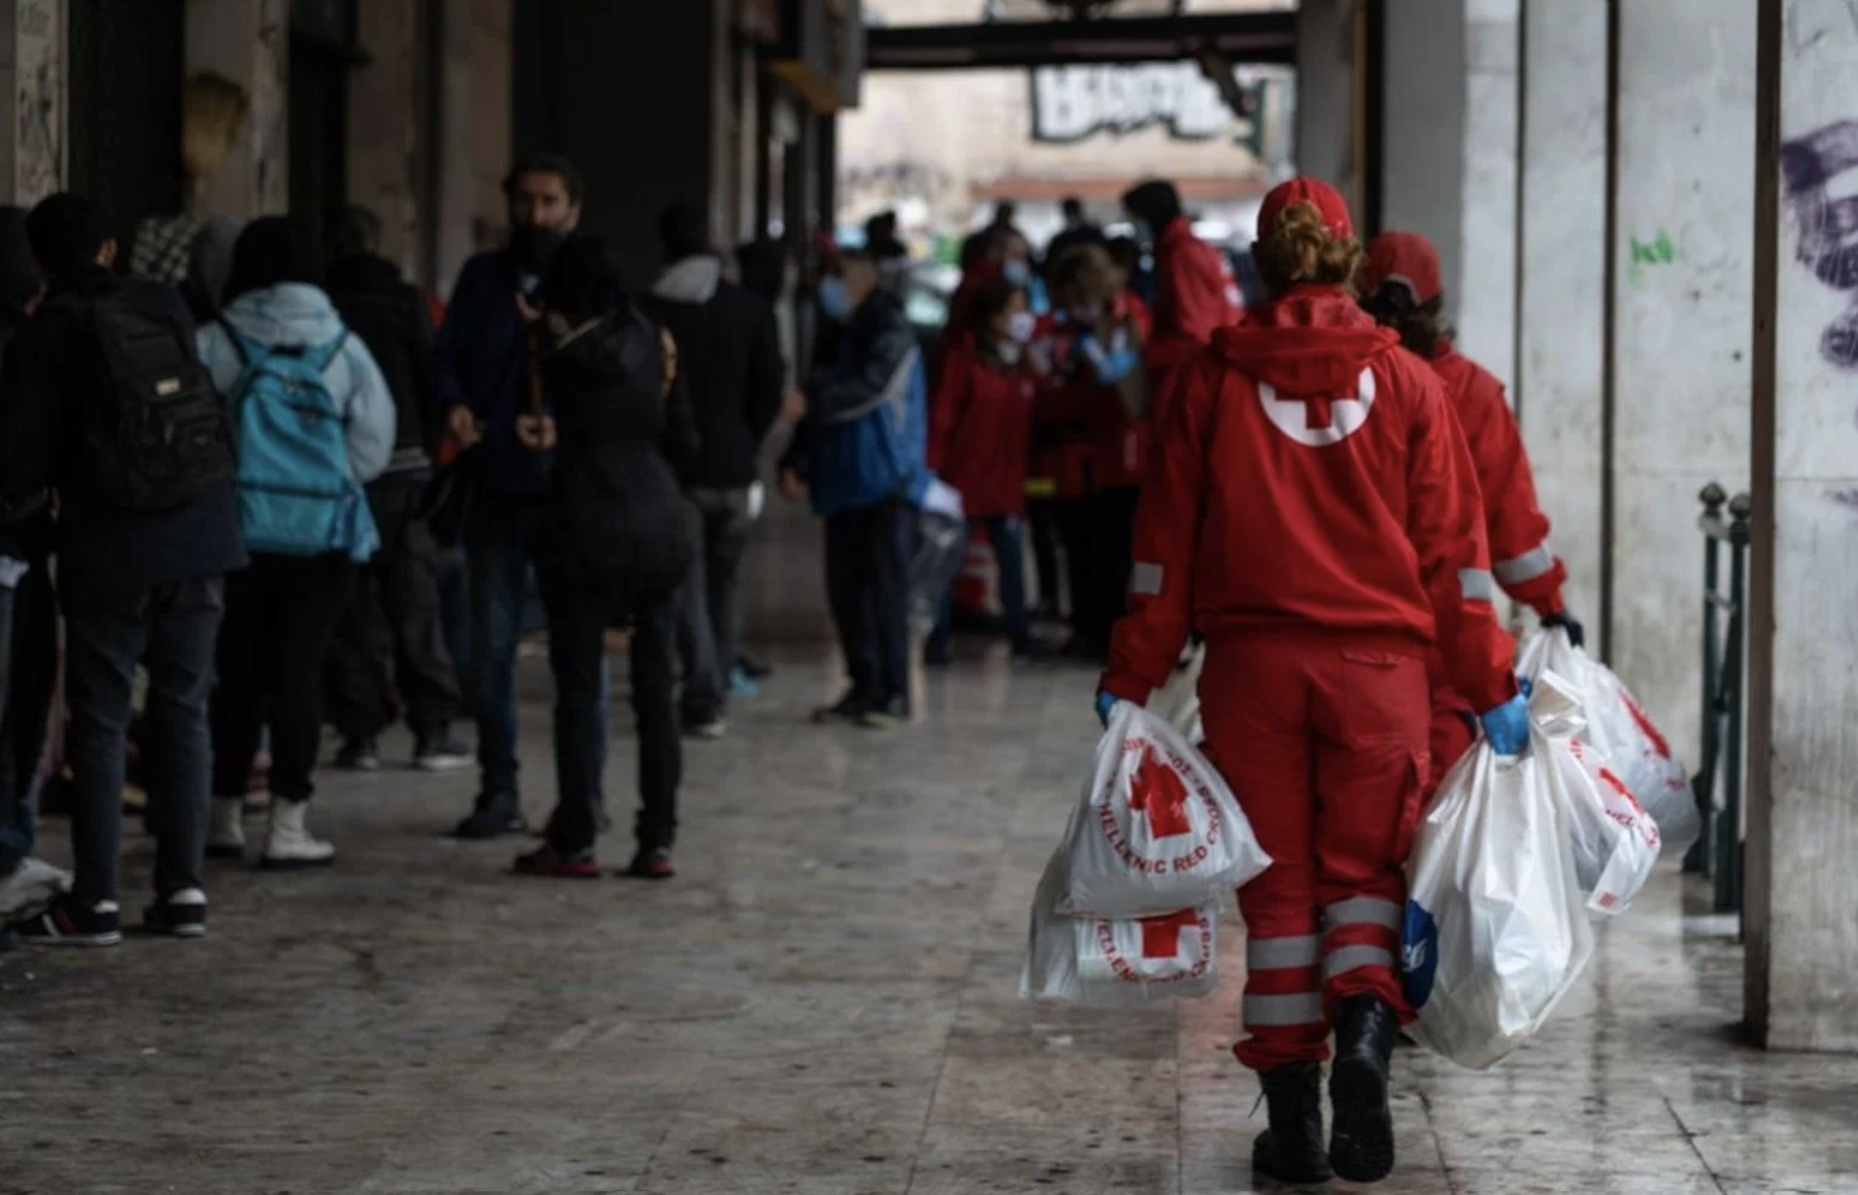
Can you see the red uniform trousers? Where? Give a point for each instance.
(1454, 730)
(1323, 738)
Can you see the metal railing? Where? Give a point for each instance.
(1718, 853)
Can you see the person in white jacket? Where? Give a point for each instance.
(281, 612)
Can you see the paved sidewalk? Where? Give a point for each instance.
(825, 1003)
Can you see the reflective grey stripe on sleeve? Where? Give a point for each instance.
(1477, 585)
(1536, 562)
(1363, 910)
(1348, 958)
(1267, 1011)
(1145, 580)
(1278, 954)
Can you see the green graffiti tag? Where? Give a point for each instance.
(1659, 251)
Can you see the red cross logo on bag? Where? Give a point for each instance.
(1157, 791)
(1161, 936)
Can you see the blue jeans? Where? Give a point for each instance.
(28, 674)
(1005, 534)
(171, 630)
(502, 544)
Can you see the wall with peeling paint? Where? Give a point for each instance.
(1682, 330)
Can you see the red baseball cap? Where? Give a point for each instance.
(1327, 201)
(1406, 258)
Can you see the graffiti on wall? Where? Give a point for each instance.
(39, 162)
(1070, 103)
(1819, 173)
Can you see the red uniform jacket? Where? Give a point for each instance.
(1061, 454)
(1119, 443)
(1518, 529)
(1310, 475)
(980, 433)
(1195, 296)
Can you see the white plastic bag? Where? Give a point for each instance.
(941, 538)
(1157, 830)
(1496, 925)
(1628, 741)
(1178, 701)
(1614, 841)
(1105, 963)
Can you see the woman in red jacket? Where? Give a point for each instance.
(980, 441)
(1402, 290)
(1305, 511)
(1195, 292)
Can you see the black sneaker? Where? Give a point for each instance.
(654, 864)
(850, 708)
(496, 814)
(359, 755)
(888, 715)
(441, 753)
(177, 915)
(71, 922)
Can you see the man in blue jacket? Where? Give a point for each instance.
(861, 454)
(483, 384)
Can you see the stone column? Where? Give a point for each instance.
(248, 41)
(1561, 321)
(34, 86)
(1803, 808)
(387, 120)
(1329, 133)
(1682, 287)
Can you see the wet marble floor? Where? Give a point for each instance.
(824, 1003)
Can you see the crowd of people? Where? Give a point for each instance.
(285, 499)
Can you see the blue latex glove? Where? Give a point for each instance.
(1116, 366)
(1507, 726)
(1105, 703)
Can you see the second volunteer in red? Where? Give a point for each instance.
(1402, 289)
(1305, 509)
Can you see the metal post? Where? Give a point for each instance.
(1698, 859)
(1728, 871)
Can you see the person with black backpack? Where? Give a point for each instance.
(617, 542)
(316, 423)
(103, 401)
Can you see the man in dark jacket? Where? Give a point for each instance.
(484, 386)
(393, 635)
(729, 357)
(861, 455)
(138, 586)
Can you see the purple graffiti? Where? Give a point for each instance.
(1828, 223)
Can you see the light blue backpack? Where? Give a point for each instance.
(297, 496)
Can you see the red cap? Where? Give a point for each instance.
(1406, 258)
(1327, 201)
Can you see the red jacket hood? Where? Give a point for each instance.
(1312, 340)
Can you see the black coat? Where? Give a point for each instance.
(392, 319)
(617, 517)
(728, 351)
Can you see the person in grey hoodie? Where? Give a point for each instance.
(282, 611)
(729, 356)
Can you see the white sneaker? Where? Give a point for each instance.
(31, 886)
(290, 844)
(225, 837)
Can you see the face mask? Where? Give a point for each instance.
(1009, 352)
(835, 301)
(533, 245)
(1018, 273)
(1144, 233)
(1021, 325)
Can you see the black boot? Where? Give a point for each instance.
(1363, 1145)
(1291, 1150)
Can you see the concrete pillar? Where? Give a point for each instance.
(34, 86)
(1449, 137)
(1330, 132)
(1803, 808)
(387, 122)
(1561, 322)
(474, 141)
(1682, 279)
(248, 41)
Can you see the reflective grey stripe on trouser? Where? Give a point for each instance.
(1363, 910)
(1536, 562)
(1477, 585)
(1348, 958)
(1282, 954)
(1305, 1008)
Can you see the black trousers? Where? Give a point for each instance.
(1042, 518)
(391, 640)
(867, 587)
(578, 616)
(281, 615)
(1099, 537)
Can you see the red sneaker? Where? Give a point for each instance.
(652, 865)
(546, 861)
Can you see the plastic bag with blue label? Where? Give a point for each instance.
(1496, 922)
